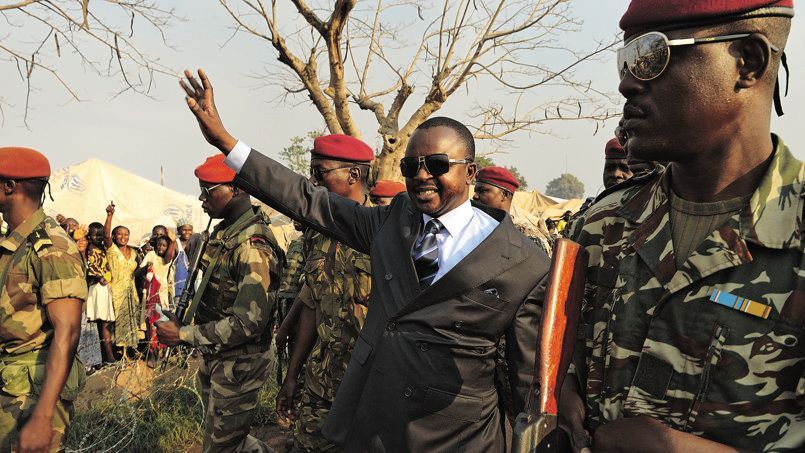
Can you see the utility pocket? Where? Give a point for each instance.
(72, 387)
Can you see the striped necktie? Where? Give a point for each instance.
(426, 254)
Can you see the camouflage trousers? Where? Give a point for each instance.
(312, 410)
(229, 388)
(21, 379)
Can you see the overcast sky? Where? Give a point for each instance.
(141, 134)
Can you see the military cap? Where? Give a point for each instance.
(498, 177)
(342, 147)
(215, 171)
(658, 15)
(23, 163)
(386, 188)
(614, 150)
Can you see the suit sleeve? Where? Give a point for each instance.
(251, 308)
(293, 195)
(521, 345)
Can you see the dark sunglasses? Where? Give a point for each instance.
(207, 191)
(647, 56)
(318, 172)
(435, 164)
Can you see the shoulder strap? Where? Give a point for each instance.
(191, 309)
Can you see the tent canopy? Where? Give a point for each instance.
(83, 191)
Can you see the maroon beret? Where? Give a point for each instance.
(499, 177)
(652, 15)
(614, 150)
(342, 147)
(386, 188)
(215, 171)
(23, 163)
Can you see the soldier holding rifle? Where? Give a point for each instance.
(240, 266)
(691, 336)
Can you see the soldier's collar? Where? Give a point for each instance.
(15, 238)
(770, 219)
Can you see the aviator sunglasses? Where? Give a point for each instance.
(435, 164)
(647, 56)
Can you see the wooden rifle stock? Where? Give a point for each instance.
(535, 429)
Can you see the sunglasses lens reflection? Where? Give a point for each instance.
(646, 57)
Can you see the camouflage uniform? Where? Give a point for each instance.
(240, 264)
(337, 284)
(715, 347)
(291, 281)
(39, 263)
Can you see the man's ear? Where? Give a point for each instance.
(472, 169)
(755, 55)
(8, 186)
(354, 175)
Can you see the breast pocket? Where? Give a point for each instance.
(489, 298)
(20, 289)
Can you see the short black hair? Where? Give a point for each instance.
(95, 226)
(114, 230)
(159, 227)
(463, 132)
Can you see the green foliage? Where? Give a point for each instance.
(566, 186)
(521, 178)
(486, 161)
(297, 155)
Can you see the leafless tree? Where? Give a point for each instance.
(368, 63)
(81, 29)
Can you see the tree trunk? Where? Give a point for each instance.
(387, 164)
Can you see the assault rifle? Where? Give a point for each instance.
(536, 429)
(188, 293)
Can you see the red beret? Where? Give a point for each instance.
(215, 171)
(614, 150)
(23, 163)
(342, 147)
(657, 15)
(386, 188)
(499, 177)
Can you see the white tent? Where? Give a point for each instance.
(84, 190)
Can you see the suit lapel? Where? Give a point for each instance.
(499, 252)
(399, 258)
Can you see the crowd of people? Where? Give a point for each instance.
(407, 317)
(129, 286)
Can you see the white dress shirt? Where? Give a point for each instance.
(465, 227)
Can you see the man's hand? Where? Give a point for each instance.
(285, 404)
(110, 210)
(168, 331)
(647, 434)
(200, 100)
(35, 436)
(571, 416)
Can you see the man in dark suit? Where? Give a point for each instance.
(449, 279)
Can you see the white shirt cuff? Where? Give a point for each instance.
(237, 157)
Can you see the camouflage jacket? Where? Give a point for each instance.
(292, 274)
(714, 348)
(235, 307)
(337, 284)
(39, 263)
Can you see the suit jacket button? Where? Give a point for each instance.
(424, 347)
(388, 276)
(391, 326)
(458, 325)
(407, 392)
